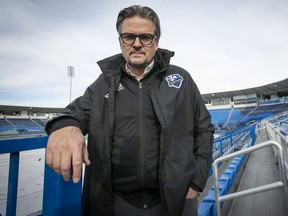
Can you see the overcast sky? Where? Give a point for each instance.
(225, 45)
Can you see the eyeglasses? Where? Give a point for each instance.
(145, 39)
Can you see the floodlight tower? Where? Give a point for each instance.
(70, 75)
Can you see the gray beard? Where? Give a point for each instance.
(138, 66)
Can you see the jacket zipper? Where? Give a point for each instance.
(142, 171)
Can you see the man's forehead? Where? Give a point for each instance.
(137, 23)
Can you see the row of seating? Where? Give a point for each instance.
(28, 124)
(208, 207)
(237, 117)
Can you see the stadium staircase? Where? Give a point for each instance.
(251, 183)
(228, 118)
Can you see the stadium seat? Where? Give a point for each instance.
(231, 173)
(206, 209)
(228, 178)
(223, 186)
(210, 197)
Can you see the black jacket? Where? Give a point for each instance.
(186, 137)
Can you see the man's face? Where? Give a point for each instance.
(137, 55)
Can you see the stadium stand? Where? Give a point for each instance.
(40, 122)
(219, 116)
(239, 113)
(228, 118)
(264, 111)
(21, 126)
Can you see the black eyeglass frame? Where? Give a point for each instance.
(152, 37)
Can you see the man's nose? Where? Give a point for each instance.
(137, 42)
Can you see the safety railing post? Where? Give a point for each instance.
(12, 184)
(231, 140)
(221, 147)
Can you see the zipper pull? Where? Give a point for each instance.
(140, 85)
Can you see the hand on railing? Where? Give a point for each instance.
(67, 147)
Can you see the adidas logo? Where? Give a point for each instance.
(120, 87)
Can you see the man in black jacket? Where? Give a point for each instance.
(150, 134)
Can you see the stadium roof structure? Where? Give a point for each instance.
(279, 88)
(9, 109)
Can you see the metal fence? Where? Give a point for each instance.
(59, 197)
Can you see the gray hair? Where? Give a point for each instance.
(141, 11)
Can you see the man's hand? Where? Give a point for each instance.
(67, 147)
(191, 194)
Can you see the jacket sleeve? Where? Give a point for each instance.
(203, 140)
(77, 113)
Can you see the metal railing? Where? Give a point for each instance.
(247, 192)
(59, 197)
(275, 134)
(227, 143)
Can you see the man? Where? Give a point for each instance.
(150, 136)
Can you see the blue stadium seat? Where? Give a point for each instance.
(206, 209)
(231, 172)
(210, 197)
(223, 186)
(233, 166)
(228, 178)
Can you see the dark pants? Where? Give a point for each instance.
(124, 208)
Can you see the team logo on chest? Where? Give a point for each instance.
(174, 80)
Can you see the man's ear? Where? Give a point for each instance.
(119, 39)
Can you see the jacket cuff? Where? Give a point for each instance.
(195, 187)
(62, 122)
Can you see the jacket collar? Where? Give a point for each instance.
(113, 65)
(162, 58)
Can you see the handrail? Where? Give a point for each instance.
(275, 131)
(278, 137)
(282, 183)
(59, 197)
(14, 147)
(227, 143)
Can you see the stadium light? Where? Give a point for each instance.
(70, 75)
